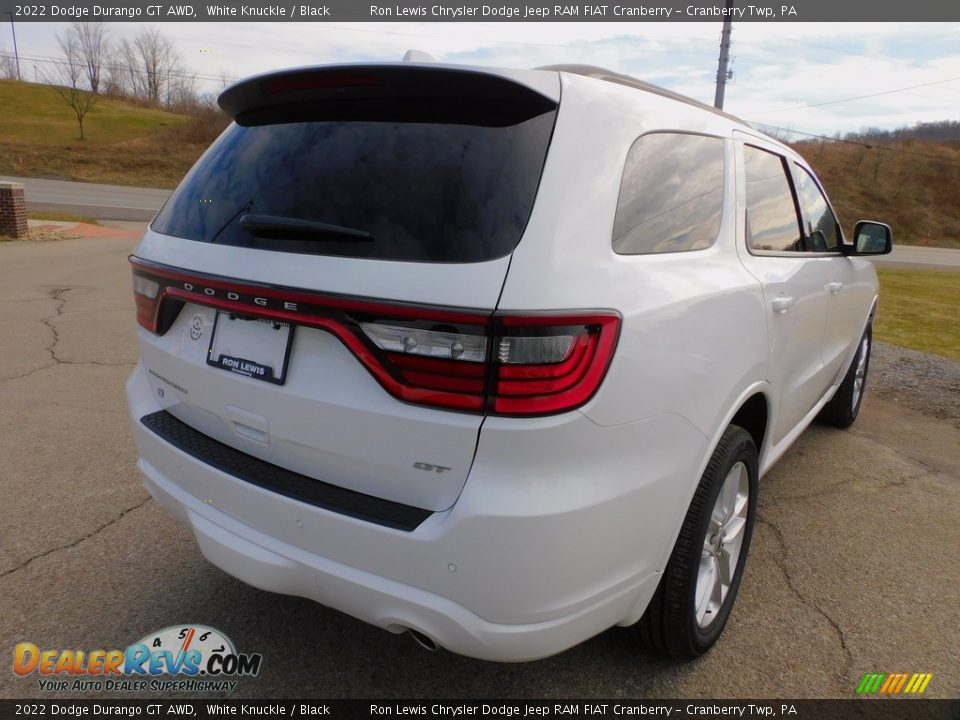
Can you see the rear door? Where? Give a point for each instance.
(794, 283)
(845, 302)
(343, 239)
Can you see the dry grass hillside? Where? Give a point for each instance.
(125, 144)
(913, 185)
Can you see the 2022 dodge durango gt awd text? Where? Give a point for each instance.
(497, 357)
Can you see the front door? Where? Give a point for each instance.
(794, 277)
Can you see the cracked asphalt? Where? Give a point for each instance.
(854, 565)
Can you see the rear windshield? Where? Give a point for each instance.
(430, 189)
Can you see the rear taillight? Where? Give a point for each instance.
(502, 363)
(318, 81)
(146, 293)
(547, 364)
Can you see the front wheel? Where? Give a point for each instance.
(843, 409)
(699, 586)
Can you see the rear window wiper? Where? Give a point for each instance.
(297, 229)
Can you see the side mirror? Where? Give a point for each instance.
(871, 238)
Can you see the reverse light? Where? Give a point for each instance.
(534, 350)
(145, 286)
(514, 364)
(427, 343)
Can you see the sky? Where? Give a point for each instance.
(802, 77)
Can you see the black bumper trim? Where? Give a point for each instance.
(279, 480)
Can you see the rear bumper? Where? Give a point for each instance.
(560, 533)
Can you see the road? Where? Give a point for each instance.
(853, 567)
(921, 258)
(101, 202)
(116, 202)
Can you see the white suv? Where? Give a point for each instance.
(496, 357)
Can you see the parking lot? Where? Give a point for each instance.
(854, 566)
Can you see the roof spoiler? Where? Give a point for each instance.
(402, 84)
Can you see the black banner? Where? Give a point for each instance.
(480, 11)
(873, 709)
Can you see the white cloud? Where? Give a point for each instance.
(778, 67)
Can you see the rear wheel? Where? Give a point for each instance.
(699, 586)
(843, 409)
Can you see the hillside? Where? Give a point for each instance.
(912, 185)
(903, 178)
(125, 143)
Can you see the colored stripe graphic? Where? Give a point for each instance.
(893, 683)
(918, 683)
(870, 683)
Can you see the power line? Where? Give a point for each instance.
(851, 99)
(870, 146)
(781, 54)
(46, 59)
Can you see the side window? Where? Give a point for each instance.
(772, 222)
(819, 223)
(671, 195)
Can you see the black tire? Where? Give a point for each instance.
(669, 626)
(843, 409)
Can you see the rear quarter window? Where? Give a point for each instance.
(671, 194)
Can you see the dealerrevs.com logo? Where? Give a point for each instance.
(188, 658)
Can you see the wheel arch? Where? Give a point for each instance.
(754, 409)
(755, 393)
(754, 416)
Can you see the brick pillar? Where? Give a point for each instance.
(13, 210)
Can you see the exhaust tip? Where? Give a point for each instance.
(427, 643)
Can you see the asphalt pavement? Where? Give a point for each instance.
(92, 200)
(921, 258)
(853, 567)
(117, 202)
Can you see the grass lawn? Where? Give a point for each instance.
(34, 114)
(125, 144)
(919, 309)
(60, 216)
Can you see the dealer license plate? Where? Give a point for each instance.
(253, 347)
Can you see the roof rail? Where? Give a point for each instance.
(600, 73)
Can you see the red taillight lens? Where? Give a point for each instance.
(318, 81)
(501, 364)
(436, 363)
(551, 364)
(146, 293)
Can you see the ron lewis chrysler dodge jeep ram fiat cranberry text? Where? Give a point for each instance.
(493, 356)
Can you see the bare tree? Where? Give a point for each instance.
(66, 77)
(151, 64)
(93, 45)
(125, 71)
(8, 68)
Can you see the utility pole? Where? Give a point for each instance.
(722, 73)
(16, 54)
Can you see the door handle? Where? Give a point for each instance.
(834, 287)
(782, 304)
